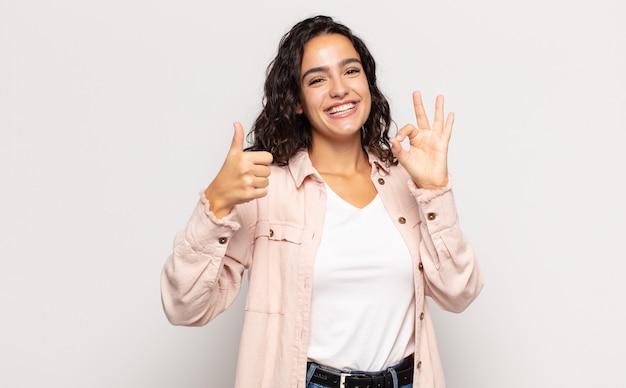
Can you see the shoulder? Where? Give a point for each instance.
(296, 172)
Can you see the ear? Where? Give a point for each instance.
(299, 109)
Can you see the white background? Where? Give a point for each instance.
(114, 115)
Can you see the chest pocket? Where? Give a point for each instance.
(277, 248)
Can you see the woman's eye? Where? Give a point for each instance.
(353, 71)
(315, 81)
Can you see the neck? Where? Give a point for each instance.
(340, 159)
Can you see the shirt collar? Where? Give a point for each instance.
(300, 167)
(377, 165)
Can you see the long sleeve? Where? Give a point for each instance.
(202, 276)
(451, 273)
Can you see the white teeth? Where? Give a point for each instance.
(341, 108)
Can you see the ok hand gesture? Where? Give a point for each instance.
(242, 178)
(426, 159)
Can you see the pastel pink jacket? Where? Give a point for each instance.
(276, 238)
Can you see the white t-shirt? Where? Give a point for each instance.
(363, 303)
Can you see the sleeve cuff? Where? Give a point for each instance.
(426, 195)
(228, 220)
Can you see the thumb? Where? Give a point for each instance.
(238, 137)
(396, 146)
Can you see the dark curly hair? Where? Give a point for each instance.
(279, 129)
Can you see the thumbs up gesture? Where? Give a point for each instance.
(242, 178)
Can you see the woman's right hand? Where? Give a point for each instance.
(242, 178)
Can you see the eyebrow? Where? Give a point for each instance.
(343, 63)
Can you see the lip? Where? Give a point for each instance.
(342, 109)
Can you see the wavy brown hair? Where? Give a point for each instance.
(279, 129)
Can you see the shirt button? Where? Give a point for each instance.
(421, 316)
(420, 266)
(271, 232)
(381, 181)
(222, 240)
(402, 220)
(419, 364)
(431, 216)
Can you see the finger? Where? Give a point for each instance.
(261, 171)
(407, 131)
(396, 146)
(259, 193)
(438, 121)
(447, 128)
(420, 112)
(401, 154)
(237, 144)
(263, 157)
(260, 183)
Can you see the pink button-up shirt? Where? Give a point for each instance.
(276, 239)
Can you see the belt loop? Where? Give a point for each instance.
(394, 377)
(309, 373)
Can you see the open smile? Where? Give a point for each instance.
(341, 109)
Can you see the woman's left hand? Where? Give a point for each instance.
(426, 160)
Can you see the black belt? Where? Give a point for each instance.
(337, 379)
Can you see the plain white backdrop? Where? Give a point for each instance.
(114, 115)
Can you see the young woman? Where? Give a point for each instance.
(342, 230)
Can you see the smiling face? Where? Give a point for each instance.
(335, 95)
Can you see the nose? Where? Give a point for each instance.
(338, 89)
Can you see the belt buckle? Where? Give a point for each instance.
(342, 379)
(343, 376)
